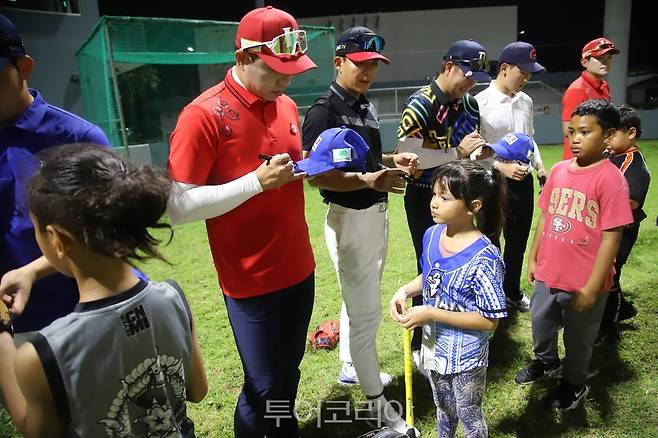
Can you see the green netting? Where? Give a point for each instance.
(96, 85)
(136, 74)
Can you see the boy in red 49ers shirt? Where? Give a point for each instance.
(572, 255)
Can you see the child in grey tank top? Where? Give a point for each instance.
(126, 360)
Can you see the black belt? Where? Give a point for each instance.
(420, 185)
(383, 204)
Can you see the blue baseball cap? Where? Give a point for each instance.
(335, 148)
(522, 55)
(514, 147)
(471, 58)
(11, 44)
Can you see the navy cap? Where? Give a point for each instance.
(361, 44)
(471, 57)
(514, 147)
(11, 45)
(522, 55)
(335, 148)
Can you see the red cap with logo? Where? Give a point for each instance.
(598, 47)
(274, 36)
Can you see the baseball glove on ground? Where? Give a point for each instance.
(325, 336)
(5, 319)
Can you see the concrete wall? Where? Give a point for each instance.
(649, 123)
(52, 40)
(416, 41)
(548, 126)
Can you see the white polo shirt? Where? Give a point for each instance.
(501, 114)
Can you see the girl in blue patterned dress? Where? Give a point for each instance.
(462, 288)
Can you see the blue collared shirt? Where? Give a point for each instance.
(41, 127)
(468, 281)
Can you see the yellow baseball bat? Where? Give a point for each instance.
(408, 379)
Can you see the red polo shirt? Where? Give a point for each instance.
(580, 90)
(262, 245)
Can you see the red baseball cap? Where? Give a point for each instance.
(598, 47)
(266, 28)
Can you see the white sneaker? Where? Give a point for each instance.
(416, 357)
(348, 377)
(522, 305)
(386, 414)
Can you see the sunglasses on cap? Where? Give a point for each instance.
(290, 42)
(368, 42)
(602, 46)
(476, 64)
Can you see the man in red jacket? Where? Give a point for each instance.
(596, 58)
(254, 212)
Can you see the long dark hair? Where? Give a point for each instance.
(470, 180)
(106, 202)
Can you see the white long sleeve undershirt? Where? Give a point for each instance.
(189, 202)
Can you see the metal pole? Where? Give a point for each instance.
(617, 27)
(117, 94)
(396, 101)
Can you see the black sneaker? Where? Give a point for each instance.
(607, 335)
(536, 370)
(569, 396)
(626, 310)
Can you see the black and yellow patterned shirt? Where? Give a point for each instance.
(429, 114)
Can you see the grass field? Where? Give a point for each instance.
(624, 379)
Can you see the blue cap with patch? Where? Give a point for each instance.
(335, 148)
(514, 147)
(11, 45)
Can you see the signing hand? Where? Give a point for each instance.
(277, 171)
(469, 143)
(407, 161)
(482, 153)
(387, 180)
